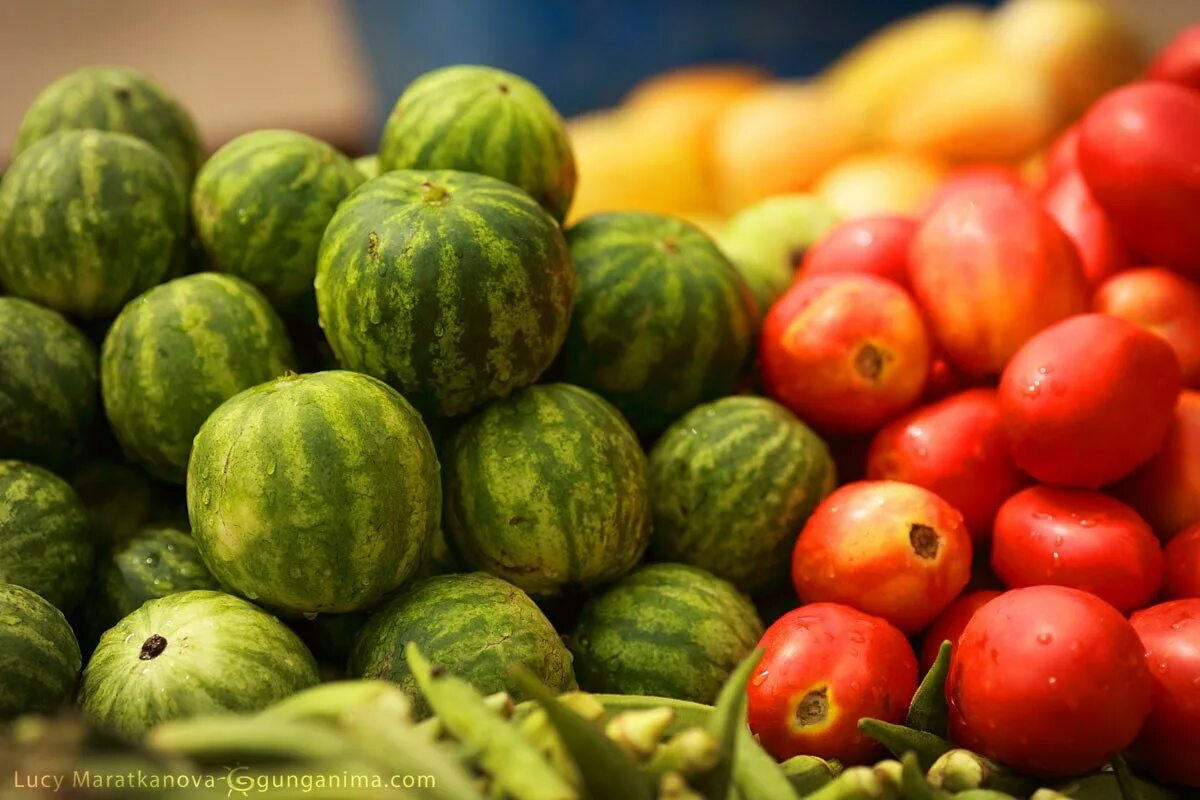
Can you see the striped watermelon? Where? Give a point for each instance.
(454, 288)
(39, 657)
(47, 384)
(176, 353)
(547, 489)
(115, 99)
(89, 219)
(475, 625)
(662, 320)
(261, 203)
(484, 120)
(733, 482)
(668, 630)
(46, 542)
(314, 493)
(368, 166)
(187, 654)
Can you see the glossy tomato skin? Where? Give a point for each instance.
(1070, 202)
(875, 245)
(1087, 400)
(955, 448)
(1179, 61)
(886, 548)
(824, 667)
(943, 381)
(974, 177)
(950, 625)
(990, 269)
(1182, 555)
(845, 353)
(1083, 539)
(1048, 680)
(1140, 155)
(1162, 302)
(1169, 744)
(1062, 156)
(1166, 489)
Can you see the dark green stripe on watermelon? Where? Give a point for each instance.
(314, 493)
(39, 657)
(115, 99)
(454, 288)
(261, 204)
(548, 490)
(733, 483)
(668, 630)
(476, 626)
(88, 220)
(48, 382)
(662, 320)
(176, 353)
(188, 654)
(483, 120)
(46, 542)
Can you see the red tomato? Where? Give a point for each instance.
(846, 353)
(975, 177)
(1182, 555)
(1162, 302)
(1087, 400)
(824, 667)
(1170, 740)
(1049, 680)
(1062, 156)
(943, 381)
(1139, 149)
(1077, 538)
(1071, 204)
(1166, 489)
(1179, 60)
(949, 626)
(990, 269)
(875, 245)
(886, 548)
(956, 449)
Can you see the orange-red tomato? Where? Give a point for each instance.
(1179, 61)
(886, 548)
(1169, 744)
(975, 177)
(874, 245)
(1162, 302)
(1071, 204)
(1182, 555)
(824, 667)
(1062, 156)
(1166, 489)
(949, 626)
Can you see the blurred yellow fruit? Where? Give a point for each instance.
(698, 93)
(991, 109)
(879, 182)
(780, 139)
(1083, 47)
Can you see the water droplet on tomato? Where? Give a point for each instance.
(1045, 638)
(760, 677)
(1058, 541)
(1052, 680)
(1087, 522)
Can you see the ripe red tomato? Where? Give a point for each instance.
(975, 177)
(1077, 538)
(1071, 204)
(949, 626)
(1182, 555)
(1049, 680)
(1170, 740)
(886, 548)
(1062, 156)
(1087, 400)
(824, 667)
(1140, 153)
(846, 353)
(1162, 302)
(1179, 60)
(955, 448)
(1166, 489)
(874, 245)
(943, 381)
(990, 269)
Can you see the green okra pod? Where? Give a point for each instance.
(639, 733)
(958, 770)
(809, 773)
(688, 752)
(913, 782)
(329, 701)
(929, 711)
(727, 720)
(984, 794)
(855, 783)
(246, 739)
(900, 740)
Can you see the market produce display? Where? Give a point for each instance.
(833, 439)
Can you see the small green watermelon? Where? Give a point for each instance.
(368, 166)
(39, 657)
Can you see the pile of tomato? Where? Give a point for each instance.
(1015, 377)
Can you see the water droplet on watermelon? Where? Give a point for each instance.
(310, 615)
(206, 498)
(145, 670)
(151, 560)
(271, 468)
(243, 216)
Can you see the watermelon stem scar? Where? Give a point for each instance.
(152, 648)
(432, 193)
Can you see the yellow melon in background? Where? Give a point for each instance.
(879, 182)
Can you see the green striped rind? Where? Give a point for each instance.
(666, 629)
(732, 484)
(48, 382)
(368, 166)
(89, 219)
(39, 657)
(547, 489)
(115, 99)
(221, 654)
(476, 626)
(46, 542)
(261, 204)
(484, 120)
(662, 320)
(454, 288)
(176, 353)
(314, 493)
